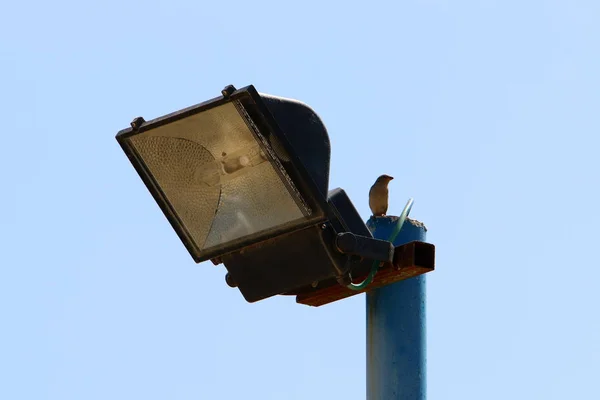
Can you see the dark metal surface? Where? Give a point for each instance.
(341, 206)
(285, 263)
(306, 135)
(364, 247)
(410, 260)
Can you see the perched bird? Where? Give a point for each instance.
(378, 195)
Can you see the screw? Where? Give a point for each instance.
(324, 226)
(315, 284)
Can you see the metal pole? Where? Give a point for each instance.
(396, 342)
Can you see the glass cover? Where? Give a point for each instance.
(216, 177)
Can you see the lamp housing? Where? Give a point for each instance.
(226, 173)
(243, 179)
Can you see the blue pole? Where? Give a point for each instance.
(396, 342)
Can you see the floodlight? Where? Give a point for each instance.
(243, 179)
(223, 174)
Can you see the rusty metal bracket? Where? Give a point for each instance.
(411, 259)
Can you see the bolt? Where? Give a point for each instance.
(227, 91)
(136, 123)
(324, 226)
(230, 281)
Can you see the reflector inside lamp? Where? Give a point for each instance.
(219, 181)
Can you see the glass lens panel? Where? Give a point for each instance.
(216, 177)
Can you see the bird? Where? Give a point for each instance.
(378, 196)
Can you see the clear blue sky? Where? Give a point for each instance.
(486, 112)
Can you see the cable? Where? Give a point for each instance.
(392, 238)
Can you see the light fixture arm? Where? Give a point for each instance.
(364, 247)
